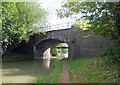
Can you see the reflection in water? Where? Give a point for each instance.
(23, 71)
(46, 58)
(46, 63)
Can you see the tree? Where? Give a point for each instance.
(99, 17)
(19, 20)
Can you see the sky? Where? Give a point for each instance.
(51, 6)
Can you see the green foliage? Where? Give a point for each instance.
(19, 20)
(98, 17)
(93, 70)
(60, 45)
(54, 51)
(54, 74)
(112, 54)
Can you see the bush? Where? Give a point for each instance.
(112, 54)
(54, 51)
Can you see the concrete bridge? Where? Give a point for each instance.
(79, 45)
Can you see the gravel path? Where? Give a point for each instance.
(64, 74)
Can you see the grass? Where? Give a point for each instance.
(93, 70)
(53, 76)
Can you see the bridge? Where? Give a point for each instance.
(79, 45)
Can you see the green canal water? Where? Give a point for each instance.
(23, 71)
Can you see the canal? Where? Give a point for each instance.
(28, 71)
(24, 71)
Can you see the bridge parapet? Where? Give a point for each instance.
(60, 26)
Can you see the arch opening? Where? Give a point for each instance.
(59, 51)
(46, 49)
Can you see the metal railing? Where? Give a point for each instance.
(60, 26)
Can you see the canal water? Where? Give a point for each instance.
(24, 71)
(27, 71)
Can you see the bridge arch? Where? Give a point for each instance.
(42, 46)
(79, 44)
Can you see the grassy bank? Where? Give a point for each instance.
(53, 76)
(92, 70)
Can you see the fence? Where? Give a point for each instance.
(60, 26)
